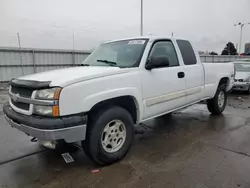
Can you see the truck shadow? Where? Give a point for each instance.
(165, 136)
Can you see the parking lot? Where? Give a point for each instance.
(191, 148)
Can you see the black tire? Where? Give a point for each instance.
(213, 104)
(93, 146)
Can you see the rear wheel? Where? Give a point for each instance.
(217, 104)
(109, 135)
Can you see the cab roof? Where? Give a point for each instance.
(150, 38)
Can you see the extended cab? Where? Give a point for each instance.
(121, 83)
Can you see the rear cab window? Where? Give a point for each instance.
(187, 52)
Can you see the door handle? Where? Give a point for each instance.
(181, 74)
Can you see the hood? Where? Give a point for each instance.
(242, 75)
(66, 76)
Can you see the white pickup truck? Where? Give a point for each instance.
(122, 83)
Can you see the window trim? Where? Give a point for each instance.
(163, 40)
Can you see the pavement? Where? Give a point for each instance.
(191, 148)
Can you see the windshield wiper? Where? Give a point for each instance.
(111, 63)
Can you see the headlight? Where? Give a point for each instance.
(52, 93)
(48, 94)
(46, 110)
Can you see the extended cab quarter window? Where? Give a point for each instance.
(165, 48)
(187, 52)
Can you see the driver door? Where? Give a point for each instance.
(163, 88)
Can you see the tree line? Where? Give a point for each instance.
(228, 50)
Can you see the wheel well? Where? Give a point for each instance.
(126, 102)
(224, 80)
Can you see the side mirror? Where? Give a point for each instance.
(157, 62)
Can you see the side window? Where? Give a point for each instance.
(165, 48)
(187, 52)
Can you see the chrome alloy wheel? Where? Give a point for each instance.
(221, 99)
(113, 136)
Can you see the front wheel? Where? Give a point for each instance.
(109, 135)
(217, 104)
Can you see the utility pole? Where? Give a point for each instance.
(73, 39)
(241, 28)
(241, 31)
(141, 17)
(73, 53)
(20, 53)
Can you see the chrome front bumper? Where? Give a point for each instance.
(71, 134)
(70, 129)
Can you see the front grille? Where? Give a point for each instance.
(23, 92)
(21, 105)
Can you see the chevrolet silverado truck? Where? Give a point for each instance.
(120, 84)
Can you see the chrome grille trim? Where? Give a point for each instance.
(24, 92)
(18, 98)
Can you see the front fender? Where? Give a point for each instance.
(96, 98)
(76, 99)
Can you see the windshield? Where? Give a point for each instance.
(126, 53)
(242, 67)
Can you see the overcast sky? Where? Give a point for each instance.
(209, 24)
